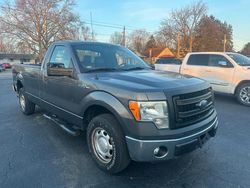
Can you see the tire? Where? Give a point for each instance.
(27, 107)
(243, 94)
(106, 144)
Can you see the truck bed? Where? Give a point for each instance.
(30, 72)
(25, 68)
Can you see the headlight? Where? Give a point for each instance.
(156, 112)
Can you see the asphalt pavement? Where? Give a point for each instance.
(34, 152)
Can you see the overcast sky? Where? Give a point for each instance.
(148, 14)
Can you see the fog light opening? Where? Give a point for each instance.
(160, 152)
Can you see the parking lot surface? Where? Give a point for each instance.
(34, 152)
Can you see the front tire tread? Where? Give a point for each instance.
(121, 157)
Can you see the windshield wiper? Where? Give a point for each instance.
(102, 70)
(135, 68)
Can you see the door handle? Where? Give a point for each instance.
(208, 70)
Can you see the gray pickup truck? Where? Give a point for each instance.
(130, 112)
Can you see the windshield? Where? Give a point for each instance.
(240, 59)
(105, 57)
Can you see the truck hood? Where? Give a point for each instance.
(146, 80)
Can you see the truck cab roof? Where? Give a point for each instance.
(74, 42)
(219, 53)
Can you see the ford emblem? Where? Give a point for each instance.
(202, 104)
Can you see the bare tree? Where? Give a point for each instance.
(138, 39)
(37, 23)
(85, 33)
(117, 38)
(7, 45)
(183, 21)
(166, 37)
(2, 46)
(151, 43)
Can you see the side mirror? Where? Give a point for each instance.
(60, 72)
(223, 63)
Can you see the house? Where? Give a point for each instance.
(155, 53)
(16, 58)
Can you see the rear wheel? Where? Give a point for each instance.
(106, 144)
(243, 94)
(27, 107)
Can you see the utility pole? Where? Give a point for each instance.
(92, 31)
(178, 45)
(124, 37)
(80, 37)
(191, 43)
(224, 43)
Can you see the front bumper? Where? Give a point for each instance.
(144, 150)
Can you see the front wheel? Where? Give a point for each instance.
(106, 144)
(27, 107)
(243, 94)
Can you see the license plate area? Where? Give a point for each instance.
(189, 146)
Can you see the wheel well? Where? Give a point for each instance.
(94, 111)
(19, 85)
(242, 82)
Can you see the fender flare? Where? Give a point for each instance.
(111, 103)
(239, 84)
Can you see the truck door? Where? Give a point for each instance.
(168, 64)
(219, 73)
(58, 91)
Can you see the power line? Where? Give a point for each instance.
(103, 34)
(103, 25)
(106, 23)
(115, 25)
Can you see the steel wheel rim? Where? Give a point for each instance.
(102, 145)
(22, 102)
(245, 95)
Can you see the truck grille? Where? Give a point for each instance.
(193, 107)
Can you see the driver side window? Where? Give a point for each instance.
(60, 58)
